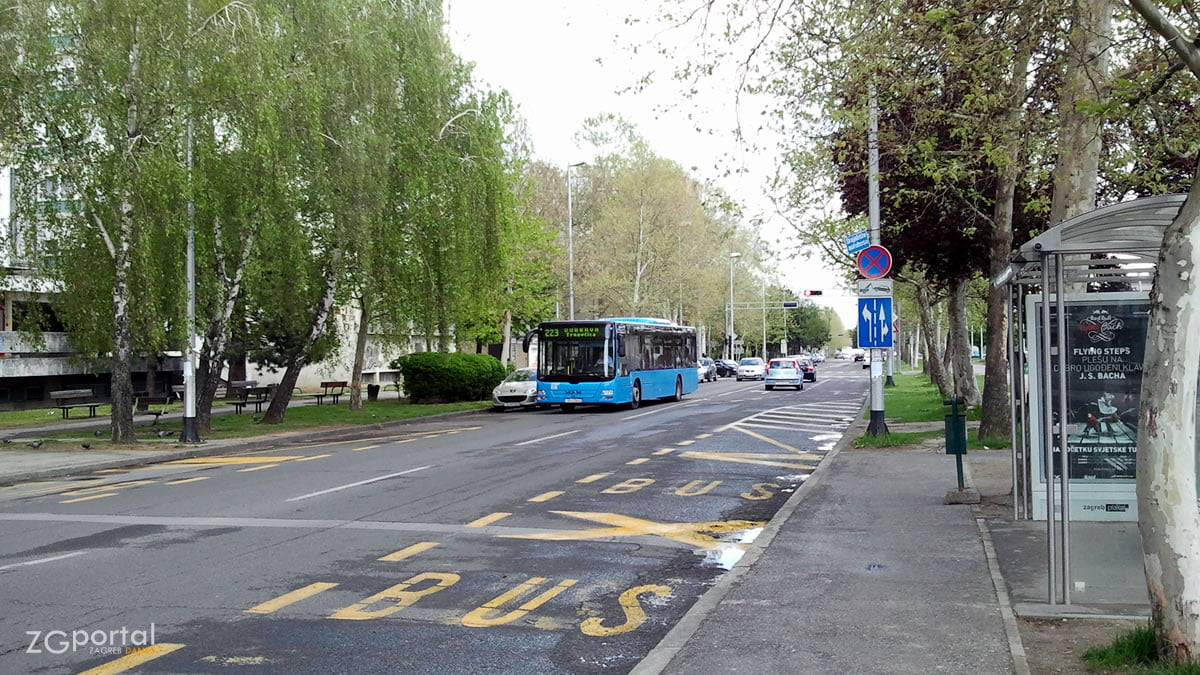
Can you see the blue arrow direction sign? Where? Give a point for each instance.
(875, 323)
(857, 242)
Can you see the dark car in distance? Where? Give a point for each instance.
(726, 368)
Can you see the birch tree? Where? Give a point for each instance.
(95, 88)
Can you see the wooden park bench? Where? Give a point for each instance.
(62, 397)
(333, 390)
(248, 393)
(142, 402)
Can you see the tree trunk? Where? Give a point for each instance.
(996, 415)
(948, 350)
(283, 392)
(360, 352)
(208, 379)
(121, 379)
(212, 357)
(1085, 81)
(960, 344)
(933, 364)
(1166, 456)
(506, 336)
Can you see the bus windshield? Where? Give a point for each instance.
(580, 352)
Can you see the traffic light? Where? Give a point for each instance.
(811, 293)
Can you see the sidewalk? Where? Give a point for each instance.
(866, 571)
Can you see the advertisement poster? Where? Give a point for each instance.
(1106, 342)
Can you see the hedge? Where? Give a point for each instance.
(436, 377)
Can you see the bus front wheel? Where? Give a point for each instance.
(636, 400)
(678, 390)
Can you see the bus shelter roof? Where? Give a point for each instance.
(1132, 232)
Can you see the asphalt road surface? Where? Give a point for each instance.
(528, 541)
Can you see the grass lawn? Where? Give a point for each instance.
(916, 399)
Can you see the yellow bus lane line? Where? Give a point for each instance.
(594, 477)
(142, 655)
(409, 551)
(257, 468)
(183, 481)
(84, 499)
(488, 519)
(546, 496)
(290, 598)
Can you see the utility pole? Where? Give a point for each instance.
(877, 425)
(191, 431)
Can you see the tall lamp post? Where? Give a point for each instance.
(571, 246)
(729, 329)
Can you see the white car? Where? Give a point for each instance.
(751, 368)
(518, 390)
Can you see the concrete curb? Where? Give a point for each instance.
(665, 651)
(206, 449)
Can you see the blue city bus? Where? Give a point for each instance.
(617, 361)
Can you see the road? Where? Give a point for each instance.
(530, 541)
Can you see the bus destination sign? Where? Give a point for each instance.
(576, 332)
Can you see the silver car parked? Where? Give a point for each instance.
(518, 390)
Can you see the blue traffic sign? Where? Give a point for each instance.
(875, 323)
(874, 262)
(857, 242)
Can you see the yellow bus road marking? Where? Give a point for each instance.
(106, 488)
(479, 617)
(291, 598)
(594, 477)
(142, 655)
(399, 597)
(627, 526)
(634, 614)
(488, 520)
(222, 461)
(639, 460)
(181, 481)
(789, 461)
(309, 459)
(409, 551)
(664, 451)
(257, 468)
(546, 496)
(406, 440)
(84, 499)
(112, 470)
(367, 447)
(776, 443)
(703, 436)
(688, 442)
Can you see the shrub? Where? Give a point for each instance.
(435, 377)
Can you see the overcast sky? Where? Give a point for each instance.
(566, 60)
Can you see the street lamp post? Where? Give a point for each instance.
(571, 246)
(729, 329)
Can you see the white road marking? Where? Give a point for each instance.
(42, 560)
(546, 438)
(361, 482)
